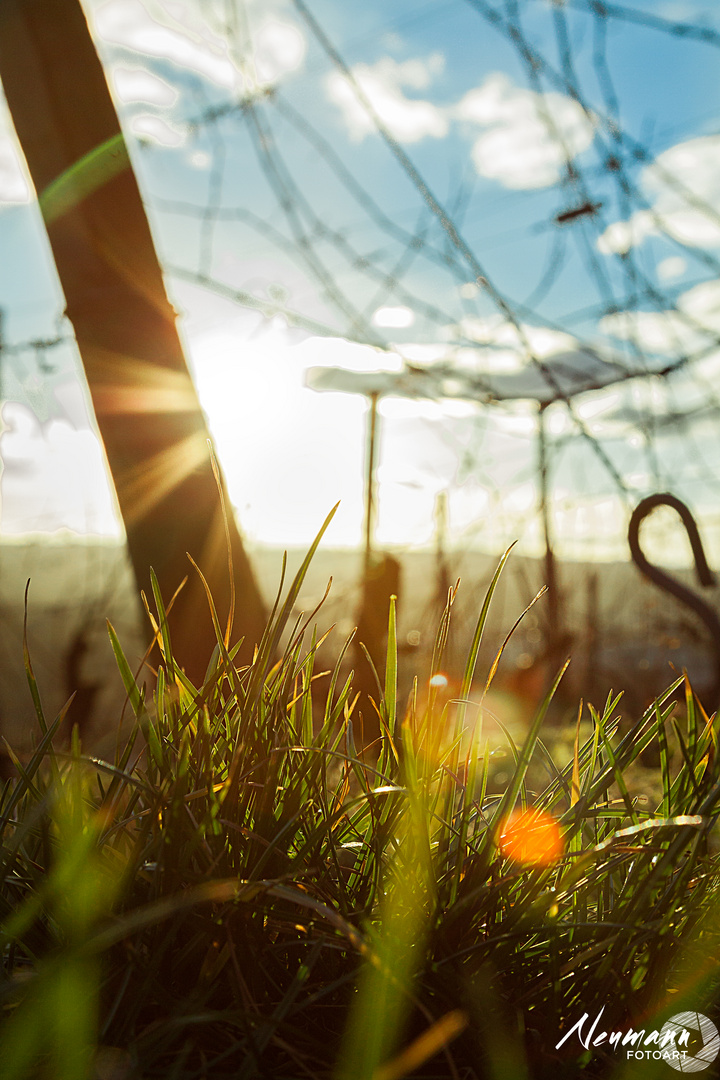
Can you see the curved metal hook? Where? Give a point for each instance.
(669, 584)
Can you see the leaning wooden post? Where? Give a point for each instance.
(554, 624)
(150, 420)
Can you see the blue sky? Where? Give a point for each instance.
(264, 173)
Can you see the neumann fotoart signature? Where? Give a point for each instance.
(671, 1043)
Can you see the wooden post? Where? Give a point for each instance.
(370, 479)
(554, 629)
(147, 410)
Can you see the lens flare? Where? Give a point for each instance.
(531, 837)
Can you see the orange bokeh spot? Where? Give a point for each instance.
(531, 836)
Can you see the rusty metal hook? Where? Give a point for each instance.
(669, 584)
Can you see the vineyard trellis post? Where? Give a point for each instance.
(153, 429)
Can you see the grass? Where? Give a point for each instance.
(239, 894)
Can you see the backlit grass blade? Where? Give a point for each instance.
(32, 681)
(474, 650)
(269, 645)
(391, 671)
(132, 689)
(517, 778)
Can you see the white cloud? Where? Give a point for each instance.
(137, 84)
(54, 477)
(683, 187)
(407, 119)
(673, 332)
(15, 186)
(174, 37)
(181, 33)
(394, 318)
(662, 332)
(507, 345)
(154, 128)
(672, 267)
(621, 236)
(280, 48)
(530, 136)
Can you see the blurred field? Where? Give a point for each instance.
(619, 629)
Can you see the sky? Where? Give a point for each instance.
(398, 190)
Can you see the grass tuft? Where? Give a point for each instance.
(240, 894)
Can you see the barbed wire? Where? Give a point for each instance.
(373, 255)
